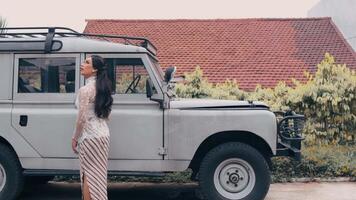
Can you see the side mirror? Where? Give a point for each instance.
(149, 88)
(169, 74)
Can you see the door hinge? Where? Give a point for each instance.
(162, 151)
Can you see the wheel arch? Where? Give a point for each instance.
(216, 139)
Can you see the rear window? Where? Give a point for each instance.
(46, 75)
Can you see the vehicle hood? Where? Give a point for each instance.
(214, 103)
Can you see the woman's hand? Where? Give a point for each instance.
(74, 145)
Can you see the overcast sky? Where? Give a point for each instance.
(72, 13)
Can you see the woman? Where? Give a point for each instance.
(91, 135)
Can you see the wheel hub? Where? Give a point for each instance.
(2, 177)
(234, 178)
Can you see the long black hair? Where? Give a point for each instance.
(103, 98)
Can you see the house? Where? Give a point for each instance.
(342, 12)
(251, 51)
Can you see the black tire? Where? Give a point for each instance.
(240, 173)
(14, 180)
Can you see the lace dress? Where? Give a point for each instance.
(92, 134)
(88, 124)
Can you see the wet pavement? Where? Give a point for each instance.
(149, 191)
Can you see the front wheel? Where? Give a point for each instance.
(234, 171)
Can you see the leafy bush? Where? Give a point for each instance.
(196, 87)
(2, 24)
(327, 99)
(276, 98)
(317, 162)
(124, 81)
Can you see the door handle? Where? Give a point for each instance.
(23, 120)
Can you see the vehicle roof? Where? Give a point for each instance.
(76, 44)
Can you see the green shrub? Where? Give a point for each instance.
(327, 99)
(317, 162)
(228, 90)
(2, 24)
(196, 87)
(276, 98)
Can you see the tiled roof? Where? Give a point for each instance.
(252, 51)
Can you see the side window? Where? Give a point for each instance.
(46, 75)
(129, 75)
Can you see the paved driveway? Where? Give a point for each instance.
(146, 191)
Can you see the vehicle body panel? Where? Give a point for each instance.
(188, 128)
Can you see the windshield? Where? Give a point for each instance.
(157, 68)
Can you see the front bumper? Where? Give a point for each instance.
(289, 141)
(293, 151)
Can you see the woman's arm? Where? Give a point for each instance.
(83, 98)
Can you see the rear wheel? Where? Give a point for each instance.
(234, 171)
(11, 178)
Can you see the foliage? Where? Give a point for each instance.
(2, 23)
(197, 87)
(228, 90)
(125, 79)
(327, 99)
(276, 98)
(317, 162)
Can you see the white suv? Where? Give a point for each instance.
(227, 144)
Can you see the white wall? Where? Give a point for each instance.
(343, 13)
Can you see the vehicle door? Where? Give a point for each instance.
(43, 101)
(136, 122)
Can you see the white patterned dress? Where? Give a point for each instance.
(92, 134)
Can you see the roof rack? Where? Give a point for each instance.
(47, 43)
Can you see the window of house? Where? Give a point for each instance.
(46, 75)
(129, 75)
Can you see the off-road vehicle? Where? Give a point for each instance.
(227, 144)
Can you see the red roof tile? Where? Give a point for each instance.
(252, 51)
